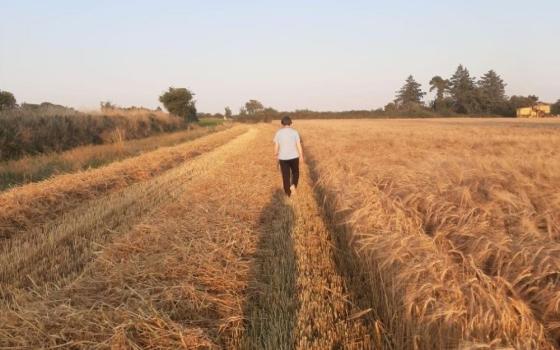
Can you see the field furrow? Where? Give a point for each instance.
(26, 207)
(56, 253)
(328, 317)
(271, 306)
(40, 167)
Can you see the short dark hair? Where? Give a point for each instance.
(286, 120)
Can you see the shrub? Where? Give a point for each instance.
(35, 129)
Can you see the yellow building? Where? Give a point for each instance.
(540, 110)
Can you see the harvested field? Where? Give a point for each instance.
(24, 207)
(403, 234)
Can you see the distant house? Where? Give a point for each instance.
(539, 110)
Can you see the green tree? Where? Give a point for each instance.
(492, 93)
(555, 108)
(254, 107)
(410, 94)
(7, 100)
(463, 91)
(227, 114)
(440, 85)
(107, 105)
(390, 107)
(523, 101)
(179, 101)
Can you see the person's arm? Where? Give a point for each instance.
(300, 149)
(276, 149)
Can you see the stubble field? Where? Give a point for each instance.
(404, 234)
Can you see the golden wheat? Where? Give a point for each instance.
(455, 219)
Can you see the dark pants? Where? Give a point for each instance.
(287, 166)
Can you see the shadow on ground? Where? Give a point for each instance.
(270, 310)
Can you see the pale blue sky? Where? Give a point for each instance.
(322, 55)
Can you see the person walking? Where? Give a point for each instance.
(288, 150)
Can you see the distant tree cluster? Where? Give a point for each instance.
(460, 94)
(7, 100)
(254, 111)
(227, 113)
(180, 102)
(202, 115)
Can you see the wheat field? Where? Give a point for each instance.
(403, 234)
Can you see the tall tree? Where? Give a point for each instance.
(7, 100)
(253, 107)
(227, 114)
(179, 101)
(463, 91)
(492, 92)
(411, 93)
(441, 86)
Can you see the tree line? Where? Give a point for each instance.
(462, 94)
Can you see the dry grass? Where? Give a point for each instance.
(173, 281)
(455, 225)
(37, 168)
(46, 129)
(52, 255)
(26, 207)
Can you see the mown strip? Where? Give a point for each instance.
(54, 254)
(177, 280)
(31, 205)
(271, 309)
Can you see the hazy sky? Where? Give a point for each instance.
(323, 55)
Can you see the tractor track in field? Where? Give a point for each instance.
(300, 298)
(328, 317)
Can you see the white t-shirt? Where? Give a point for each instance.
(287, 139)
